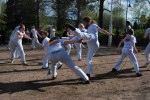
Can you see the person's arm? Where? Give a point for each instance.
(134, 47)
(38, 34)
(53, 42)
(120, 45)
(27, 37)
(105, 32)
(147, 33)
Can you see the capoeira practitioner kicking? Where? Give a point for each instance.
(92, 37)
(35, 37)
(57, 53)
(16, 41)
(147, 50)
(128, 50)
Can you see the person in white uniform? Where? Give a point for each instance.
(16, 41)
(52, 32)
(45, 45)
(57, 53)
(128, 51)
(147, 50)
(92, 39)
(35, 35)
(16, 54)
(79, 45)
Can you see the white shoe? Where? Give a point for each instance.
(12, 61)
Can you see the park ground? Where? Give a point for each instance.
(19, 82)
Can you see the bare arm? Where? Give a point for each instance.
(27, 37)
(53, 42)
(134, 47)
(38, 34)
(105, 32)
(119, 45)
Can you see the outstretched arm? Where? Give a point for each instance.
(27, 37)
(105, 32)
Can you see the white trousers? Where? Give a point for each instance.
(46, 61)
(68, 50)
(19, 46)
(35, 40)
(127, 52)
(92, 48)
(147, 53)
(17, 53)
(79, 50)
(66, 59)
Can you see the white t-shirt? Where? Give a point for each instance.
(45, 44)
(34, 33)
(15, 37)
(56, 47)
(128, 41)
(52, 33)
(148, 33)
(93, 29)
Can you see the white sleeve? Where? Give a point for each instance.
(96, 27)
(147, 31)
(133, 39)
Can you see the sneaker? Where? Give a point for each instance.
(53, 78)
(12, 61)
(114, 70)
(145, 65)
(44, 68)
(24, 64)
(138, 74)
(89, 76)
(87, 82)
(59, 66)
(70, 26)
(79, 60)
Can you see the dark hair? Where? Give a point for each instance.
(130, 31)
(88, 19)
(45, 33)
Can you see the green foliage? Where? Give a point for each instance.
(2, 16)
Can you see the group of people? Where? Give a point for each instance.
(57, 50)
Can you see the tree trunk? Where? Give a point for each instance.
(101, 9)
(37, 13)
(59, 22)
(78, 12)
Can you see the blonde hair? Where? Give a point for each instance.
(81, 26)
